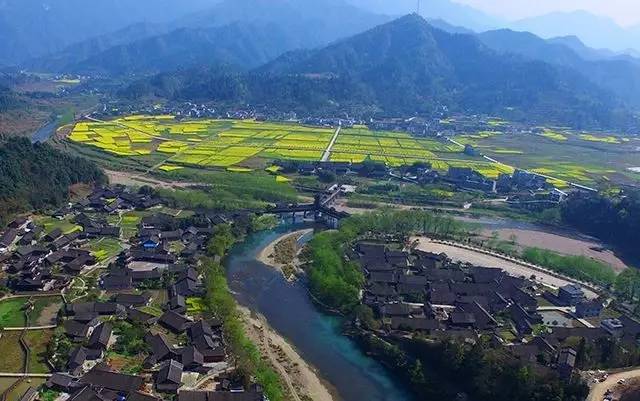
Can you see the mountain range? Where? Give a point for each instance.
(618, 74)
(33, 28)
(314, 52)
(245, 33)
(595, 31)
(400, 68)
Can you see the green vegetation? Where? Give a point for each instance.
(221, 241)
(195, 306)
(130, 339)
(442, 370)
(13, 357)
(38, 341)
(332, 280)
(58, 349)
(614, 219)
(221, 304)
(227, 191)
(51, 223)
(12, 312)
(579, 267)
(36, 176)
(264, 222)
(104, 248)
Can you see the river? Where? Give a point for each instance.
(44, 133)
(316, 336)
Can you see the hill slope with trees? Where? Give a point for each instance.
(402, 68)
(37, 176)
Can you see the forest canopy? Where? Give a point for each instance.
(37, 176)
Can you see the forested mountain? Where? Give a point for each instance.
(451, 11)
(32, 28)
(38, 176)
(241, 45)
(66, 61)
(409, 65)
(618, 75)
(245, 33)
(8, 99)
(615, 220)
(403, 67)
(321, 21)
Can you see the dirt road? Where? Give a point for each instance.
(599, 390)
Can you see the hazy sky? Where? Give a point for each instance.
(625, 12)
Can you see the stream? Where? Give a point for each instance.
(316, 336)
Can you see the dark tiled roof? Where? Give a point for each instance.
(113, 381)
(170, 372)
(174, 321)
(219, 396)
(100, 336)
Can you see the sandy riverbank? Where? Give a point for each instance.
(566, 245)
(267, 255)
(301, 379)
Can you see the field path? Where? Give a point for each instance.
(327, 153)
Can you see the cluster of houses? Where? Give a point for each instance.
(148, 286)
(34, 260)
(418, 291)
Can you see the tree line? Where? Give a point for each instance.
(613, 219)
(37, 176)
(450, 369)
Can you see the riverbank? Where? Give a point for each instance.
(316, 337)
(302, 380)
(269, 257)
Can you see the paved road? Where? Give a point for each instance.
(599, 389)
(327, 153)
(30, 328)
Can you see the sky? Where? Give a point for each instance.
(624, 12)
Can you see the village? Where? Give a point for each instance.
(417, 292)
(131, 324)
(131, 319)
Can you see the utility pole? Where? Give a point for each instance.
(418, 9)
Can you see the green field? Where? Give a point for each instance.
(204, 143)
(171, 145)
(104, 248)
(243, 146)
(576, 157)
(12, 314)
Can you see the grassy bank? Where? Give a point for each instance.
(336, 282)
(578, 267)
(222, 305)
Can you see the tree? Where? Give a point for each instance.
(222, 240)
(326, 176)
